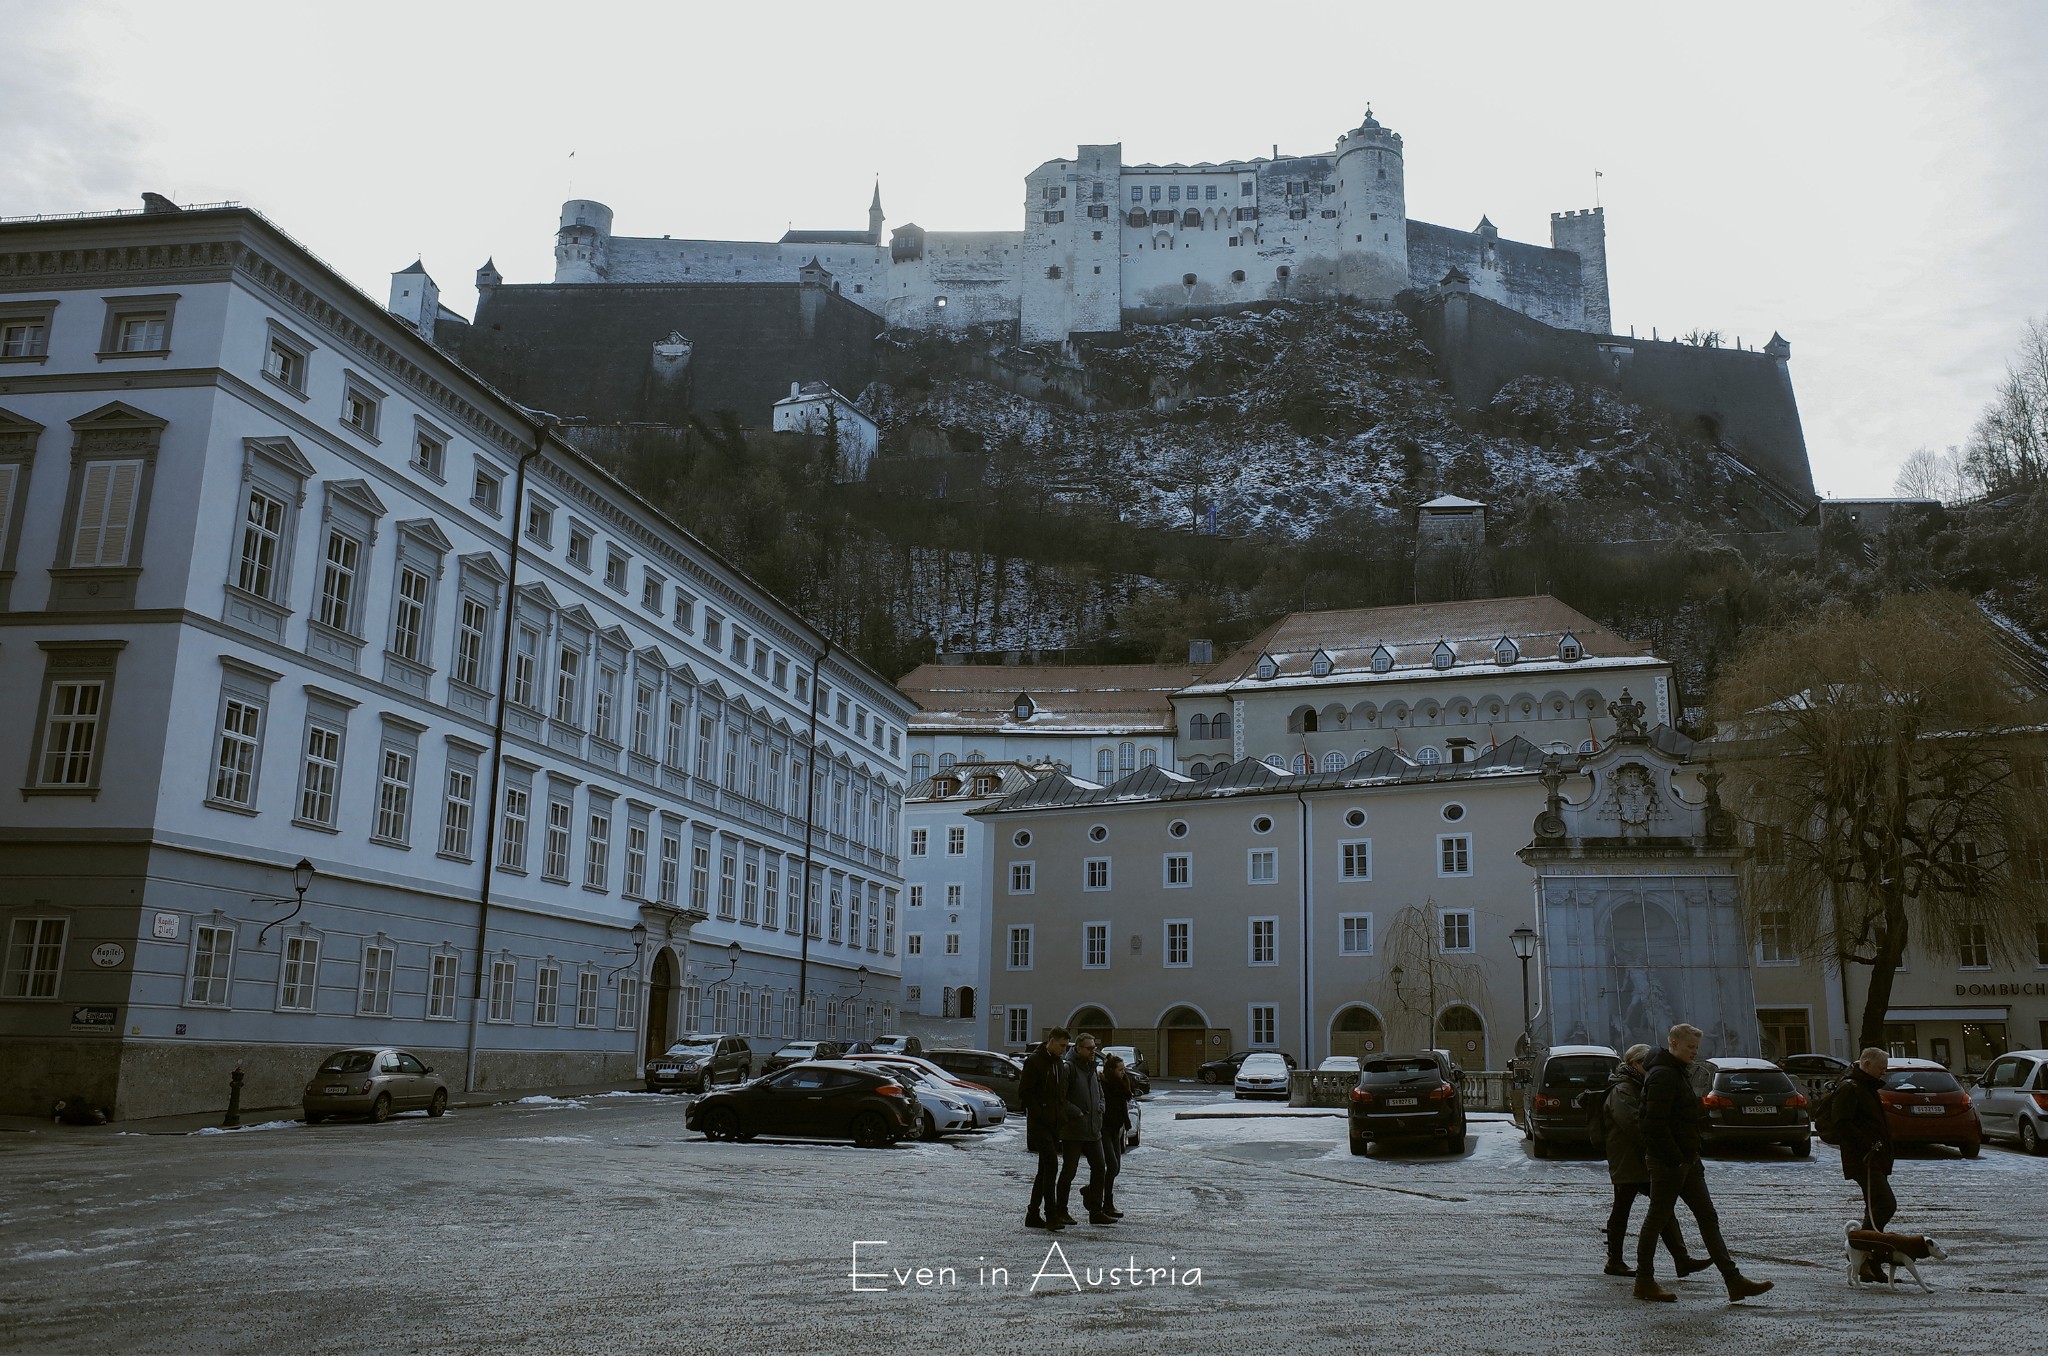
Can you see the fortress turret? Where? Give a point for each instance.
(875, 216)
(1584, 233)
(415, 299)
(583, 244)
(1372, 250)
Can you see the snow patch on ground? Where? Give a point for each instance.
(244, 1129)
(552, 1103)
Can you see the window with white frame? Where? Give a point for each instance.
(1018, 1024)
(1775, 945)
(1094, 946)
(441, 981)
(35, 957)
(74, 708)
(237, 750)
(1265, 1023)
(917, 896)
(540, 520)
(1095, 873)
(429, 451)
(25, 330)
(771, 892)
(260, 567)
(952, 943)
(361, 404)
(554, 859)
(394, 795)
(586, 998)
(339, 586)
(373, 995)
(1179, 871)
(1262, 866)
(750, 891)
(472, 641)
(671, 866)
(547, 996)
(514, 818)
(700, 875)
(320, 767)
(1354, 934)
(458, 809)
(728, 886)
(526, 643)
(1454, 854)
(1180, 935)
(504, 979)
(676, 734)
(138, 324)
(1262, 941)
(298, 976)
(956, 841)
(1020, 947)
(643, 719)
(569, 685)
(597, 846)
(1021, 877)
(605, 707)
(213, 959)
(579, 546)
(485, 489)
(627, 1017)
(636, 861)
(953, 896)
(1354, 859)
(1973, 944)
(919, 841)
(913, 944)
(409, 614)
(615, 564)
(1455, 929)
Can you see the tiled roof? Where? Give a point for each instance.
(1066, 698)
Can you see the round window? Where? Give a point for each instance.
(1022, 838)
(1262, 825)
(1097, 833)
(1178, 828)
(1354, 818)
(1454, 812)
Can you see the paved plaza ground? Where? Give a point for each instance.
(597, 1223)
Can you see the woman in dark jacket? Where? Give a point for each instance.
(1116, 1120)
(1621, 1115)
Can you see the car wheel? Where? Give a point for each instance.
(1538, 1146)
(870, 1131)
(931, 1127)
(1204, 1076)
(1360, 1147)
(1971, 1149)
(380, 1110)
(1801, 1148)
(2030, 1139)
(1454, 1144)
(440, 1103)
(721, 1122)
(1134, 1142)
(314, 1118)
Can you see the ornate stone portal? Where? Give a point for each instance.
(1641, 923)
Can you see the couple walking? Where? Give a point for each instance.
(1075, 1111)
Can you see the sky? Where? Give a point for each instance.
(1866, 179)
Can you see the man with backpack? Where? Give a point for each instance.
(1851, 1117)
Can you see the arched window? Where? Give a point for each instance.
(1191, 217)
(1187, 279)
(945, 761)
(1589, 746)
(1105, 764)
(1300, 763)
(1237, 275)
(1333, 761)
(1219, 727)
(1148, 757)
(1308, 722)
(1426, 754)
(1198, 769)
(1277, 761)
(1198, 727)
(920, 766)
(1126, 758)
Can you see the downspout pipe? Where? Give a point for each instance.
(803, 953)
(1308, 1007)
(491, 806)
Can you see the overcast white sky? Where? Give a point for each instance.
(1867, 178)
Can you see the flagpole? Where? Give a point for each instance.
(1597, 176)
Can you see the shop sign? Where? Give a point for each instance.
(2001, 990)
(94, 1018)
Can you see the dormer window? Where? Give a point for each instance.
(1569, 649)
(1321, 665)
(1443, 656)
(1268, 668)
(1382, 660)
(1023, 710)
(1504, 651)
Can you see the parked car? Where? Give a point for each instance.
(2012, 1099)
(813, 1099)
(996, 1072)
(1557, 1105)
(796, 1052)
(1814, 1072)
(987, 1104)
(1225, 1069)
(1131, 1135)
(1263, 1074)
(1134, 1065)
(373, 1081)
(1407, 1096)
(1924, 1104)
(1750, 1101)
(695, 1063)
(944, 1113)
(897, 1045)
(1339, 1064)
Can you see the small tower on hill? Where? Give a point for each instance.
(415, 299)
(1372, 246)
(875, 216)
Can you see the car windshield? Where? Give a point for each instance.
(1266, 1062)
(1578, 1071)
(1922, 1080)
(693, 1047)
(348, 1062)
(1754, 1080)
(800, 1048)
(1404, 1065)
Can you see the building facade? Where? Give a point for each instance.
(283, 584)
(1103, 240)
(816, 409)
(946, 869)
(1097, 720)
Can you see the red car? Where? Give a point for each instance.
(1924, 1104)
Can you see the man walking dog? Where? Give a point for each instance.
(1857, 1126)
(1670, 1121)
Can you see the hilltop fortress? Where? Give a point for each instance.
(1103, 240)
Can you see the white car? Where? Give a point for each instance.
(944, 1114)
(1262, 1075)
(986, 1104)
(1339, 1064)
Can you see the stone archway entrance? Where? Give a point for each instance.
(661, 1002)
(1463, 1033)
(1092, 1020)
(1357, 1031)
(1181, 1042)
(963, 1001)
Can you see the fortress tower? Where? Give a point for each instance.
(583, 244)
(1584, 233)
(1372, 255)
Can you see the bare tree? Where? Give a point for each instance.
(1701, 338)
(1425, 979)
(2009, 446)
(1888, 767)
(1947, 476)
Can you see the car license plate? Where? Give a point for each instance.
(1759, 1111)
(1404, 1101)
(1928, 1110)
(335, 1089)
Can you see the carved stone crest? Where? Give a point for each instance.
(1634, 794)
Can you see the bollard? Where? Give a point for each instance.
(234, 1116)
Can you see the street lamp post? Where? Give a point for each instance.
(1524, 940)
(302, 881)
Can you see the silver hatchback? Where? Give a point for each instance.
(2012, 1099)
(373, 1081)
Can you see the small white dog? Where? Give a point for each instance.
(1869, 1247)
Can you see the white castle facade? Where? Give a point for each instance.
(1104, 241)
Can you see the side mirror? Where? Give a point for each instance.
(428, 1067)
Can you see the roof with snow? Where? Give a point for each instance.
(1065, 698)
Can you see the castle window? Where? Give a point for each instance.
(1235, 241)
(1383, 175)
(1210, 192)
(1191, 218)
(1100, 209)
(1568, 649)
(1155, 193)
(1244, 190)
(1328, 212)
(1282, 272)
(1236, 275)
(1187, 280)
(1137, 193)
(1097, 194)
(1138, 217)
(1173, 192)
(1051, 217)
(1443, 656)
(1053, 272)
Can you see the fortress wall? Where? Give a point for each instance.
(1537, 281)
(587, 350)
(1743, 399)
(859, 269)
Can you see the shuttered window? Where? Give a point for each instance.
(106, 513)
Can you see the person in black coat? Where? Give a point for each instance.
(1042, 1090)
(1116, 1120)
(1081, 1131)
(1620, 1119)
(1865, 1139)
(1670, 1123)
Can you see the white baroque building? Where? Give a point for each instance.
(1103, 241)
(280, 583)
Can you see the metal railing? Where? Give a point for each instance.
(1483, 1089)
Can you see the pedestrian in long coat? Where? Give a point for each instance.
(1621, 1118)
(1042, 1089)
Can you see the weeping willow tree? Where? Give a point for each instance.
(1422, 977)
(1888, 765)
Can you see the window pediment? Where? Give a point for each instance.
(282, 453)
(428, 533)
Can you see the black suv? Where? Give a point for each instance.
(1748, 1101)
(695, 1063)
(1408, 1097)
(997, 1072)
(1557, 1105)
